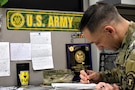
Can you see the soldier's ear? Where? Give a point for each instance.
(109, 30)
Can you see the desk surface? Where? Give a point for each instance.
(48, 88)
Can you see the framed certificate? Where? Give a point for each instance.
(107, 61)
(78, 57)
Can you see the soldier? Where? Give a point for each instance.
(103, 25)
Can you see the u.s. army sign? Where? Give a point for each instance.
(39, 20)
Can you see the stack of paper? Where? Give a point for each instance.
(74, 85)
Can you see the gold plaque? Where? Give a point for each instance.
(79, 56)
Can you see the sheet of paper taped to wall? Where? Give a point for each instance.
(74, 85)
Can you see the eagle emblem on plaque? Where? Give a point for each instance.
(78, 58)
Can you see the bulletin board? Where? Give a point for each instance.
(59, 39)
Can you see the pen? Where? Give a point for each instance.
(88, 81)
(84, 68)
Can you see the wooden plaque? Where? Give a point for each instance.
(78, 57)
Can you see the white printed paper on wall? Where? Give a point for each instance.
(4, 59)
(41, 48)
(20, 51)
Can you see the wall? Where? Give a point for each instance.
(59, 39)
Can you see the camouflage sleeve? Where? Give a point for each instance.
(111, 76)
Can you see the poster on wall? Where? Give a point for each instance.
(41, 50)
(42, 20)
(20, 51)
(78, 58)
(4, 59)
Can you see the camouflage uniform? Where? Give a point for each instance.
(125, 62)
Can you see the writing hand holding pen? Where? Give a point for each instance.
(89, 76)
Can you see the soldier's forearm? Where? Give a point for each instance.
(110, 76)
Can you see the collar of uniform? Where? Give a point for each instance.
(128, 35)
(125, 43)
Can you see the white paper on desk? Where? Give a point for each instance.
(74, 85)
(20, 51)
(41, 49)
(4, 59)
(8, 88)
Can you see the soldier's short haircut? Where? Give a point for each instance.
(97, 14)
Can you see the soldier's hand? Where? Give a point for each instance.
(89, 76)
(106, 86)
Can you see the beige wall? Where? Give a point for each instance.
(59, 39)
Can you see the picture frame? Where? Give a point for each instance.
(78, 58)
(107, 61)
